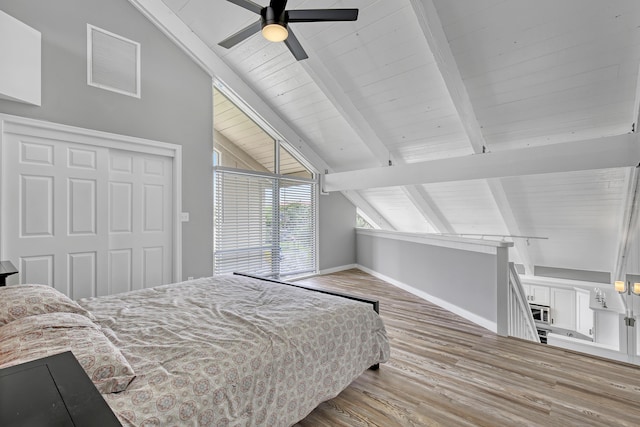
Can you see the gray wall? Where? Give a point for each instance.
(463, 278)
(176, 104)
(337, 219)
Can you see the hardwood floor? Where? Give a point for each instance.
(447, 371)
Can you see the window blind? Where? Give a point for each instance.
(264, 224)
(297, 227)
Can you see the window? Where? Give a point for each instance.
(263, 224)
(265, 200)
(363, 221)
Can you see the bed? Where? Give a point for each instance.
(225, 351)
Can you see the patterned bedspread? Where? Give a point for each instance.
(235, 351)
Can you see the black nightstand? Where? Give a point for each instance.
(53, 391)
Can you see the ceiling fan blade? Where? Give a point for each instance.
(320, 15)
(247, 4)
(241, 35)
(295, 47)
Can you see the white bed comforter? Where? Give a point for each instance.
(235, 351)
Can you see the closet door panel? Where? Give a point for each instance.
(84, 216)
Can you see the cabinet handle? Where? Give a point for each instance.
(590, 331)
(552, 320)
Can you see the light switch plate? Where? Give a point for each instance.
(184, 216)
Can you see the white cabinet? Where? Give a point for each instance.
(537, 294)
(584, 314)
(563, 308)
(607, 328)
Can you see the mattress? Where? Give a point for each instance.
(235, 351)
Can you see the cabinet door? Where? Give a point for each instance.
(584, 315)
(539, 295)
(527, 292)
(563, 308)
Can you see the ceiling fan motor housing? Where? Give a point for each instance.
(273, 16)
(275, 19)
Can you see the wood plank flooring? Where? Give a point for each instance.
(447, 371)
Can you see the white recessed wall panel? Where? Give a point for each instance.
(120, 207)
(120, 272)
(120, 163)
(36, 205)
(82, 206)
(153, 203)
(152, 266)
(83, 159)
(82, 275)
(153, 167)
(37, 270)
(34, 153)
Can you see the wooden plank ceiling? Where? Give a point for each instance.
(418, 80)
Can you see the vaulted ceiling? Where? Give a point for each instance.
(427, 81)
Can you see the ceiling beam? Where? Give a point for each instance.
(521, 245)
(630, 209)
(636, 106)
(428, 208)
(335, 93)
(629, 216)
(600, 153)
(436, 38)
(433, 32)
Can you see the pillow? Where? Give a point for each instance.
(19, 301)
(35, 337)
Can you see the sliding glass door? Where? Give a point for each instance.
(264, 223)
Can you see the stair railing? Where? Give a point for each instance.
(521, 323)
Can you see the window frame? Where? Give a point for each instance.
(279, 143)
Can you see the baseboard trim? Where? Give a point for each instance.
(481, 321)
(338, 269)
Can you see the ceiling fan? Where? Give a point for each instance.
(274, 20)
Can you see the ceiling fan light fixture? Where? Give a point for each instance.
(275, 32)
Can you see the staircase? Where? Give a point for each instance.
(520, 323)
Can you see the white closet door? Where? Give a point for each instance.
(55, 218)
(140, 220)
(85, 218)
